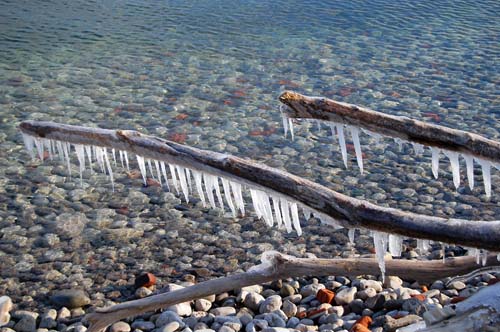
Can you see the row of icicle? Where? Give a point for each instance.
(338, 133)
(273, 208)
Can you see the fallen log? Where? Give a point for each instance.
(277, 184)
(276, 266)
(402, 127)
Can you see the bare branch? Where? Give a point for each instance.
(277, 266)
(301, 106)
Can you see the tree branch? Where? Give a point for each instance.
(277, 266)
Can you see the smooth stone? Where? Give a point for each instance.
(376, 285)
(337, 310)
(48, 319)
(253, 301)
(70, 298)
(27, 320)
(292, 322)
(289, 308)
(142, 292)
(287, 290)
(120, 327)
(393, 282)
(311, 289)
(256, 325)
(366, 293)
(181, 309)
(170, 327)
(202, 305)
(393, 325)
(223, 311)
(168, 317)
(345, 296)
(63, 314)
(457, 285)
(270, 304)
(5, 307)
(143, 325)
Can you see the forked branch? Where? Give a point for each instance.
(277, 266)
(348, 211)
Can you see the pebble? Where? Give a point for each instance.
(170, 327)
(70, 298)
(270, 304)
(26, 320)
(5, 307)
(223, 311)
(181, 309)
(253, 301)
(202, 305)
(120, 327)
(345, 296)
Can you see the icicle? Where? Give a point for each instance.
(455, 166)
(236, 188)
(357, 146)
(60, 151)
(399, 142)
(126, 160)
(498, 257)
(164, 172)
(80, 154)
(39, 147)
(142, 167)
(48, 145)
(88, 150)
(29, 143)
(285, 121)
(227, 195)
(277, 211)
(174, 178)
(285, 213)
(110, 171)
(483, 256)
(157, 167)
(207, 178)
(113, 152)
(423, 246)
(443, 248)
(188, 178)
(150, 168)
(290, 124)
(343, 147)
(256, 203)
(435, 161)
(120, 152)
(182, 179)
(469, 162)
(307, 212)
(350, 234)
(395, 245)
(99, 158)
(485, 167)
(199, 188)
(327, 220)
(295, 218)
(215, 183)
(66, 150)
(418, 148)
(380, 242)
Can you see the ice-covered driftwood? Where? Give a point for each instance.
(277, 266)
(276, 195)
(440, 139)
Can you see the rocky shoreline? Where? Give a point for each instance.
(333, 303)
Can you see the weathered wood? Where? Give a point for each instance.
(277, 266)
(301, 106)
(348, 211)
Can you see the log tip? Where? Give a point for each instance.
(288, 96)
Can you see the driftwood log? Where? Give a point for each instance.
(301, 106)
(348, 211)
(276, 266)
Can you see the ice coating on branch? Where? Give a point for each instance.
(486, 168)
(357, 146)
(380, 242)
(455, 166)
(435, 161)
(423, 246)
(469, 163)
(395, 245)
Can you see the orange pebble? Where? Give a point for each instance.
(360, 328)
(365, 321)
(457, 299)
(424, 288)
(325, 295)
(419, 297)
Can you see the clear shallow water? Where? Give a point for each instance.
(209, 74)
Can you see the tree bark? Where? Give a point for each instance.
(277, 266)
(301, 106)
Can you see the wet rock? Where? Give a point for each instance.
(70, 298)
(345, 296)
(26, 320)
(120, 327)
